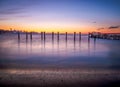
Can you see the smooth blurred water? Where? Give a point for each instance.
(36, 53)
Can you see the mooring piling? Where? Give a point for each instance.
(79, 36)
(41, 35)
(44, 36)
(66, 36)
(52, 36)
(58, 36)
(74, 36)
(88, 37)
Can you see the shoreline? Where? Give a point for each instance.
(59, 78)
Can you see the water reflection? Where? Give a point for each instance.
(94, 45)
(19, 46)
(88, 46)
(63, 46)
(27, 44)
(59, 50)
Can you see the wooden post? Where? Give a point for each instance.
(66, 36)
(18, 35)
(88, 37)
(58, 36)
(52, 36)
(79, 36)
(74, 40)
(44, 36)
(41, 35)
(74, 36)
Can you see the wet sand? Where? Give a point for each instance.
(59, 78)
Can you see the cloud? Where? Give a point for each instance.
(111, 27)
(114, 27)
(94, 22)
(1, 19)
(100, 28)
(11, 11)
(22, 16)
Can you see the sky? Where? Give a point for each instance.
(61, 15)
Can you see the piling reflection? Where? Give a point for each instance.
(26, 36)
(19, 46)
(88, 45)
(31, 44)
(72, 51)
(66, 40)
(27, 45)
(79, 46)
(74, 44)
(94, 45)
(57, 44)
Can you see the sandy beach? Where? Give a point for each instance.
(59, 78)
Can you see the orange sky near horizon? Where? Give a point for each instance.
(68, 29)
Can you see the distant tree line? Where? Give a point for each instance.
(3, 31)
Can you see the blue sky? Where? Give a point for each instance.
(76, 14)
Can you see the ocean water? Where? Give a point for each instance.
(37, 53)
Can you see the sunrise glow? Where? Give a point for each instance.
(60, 15)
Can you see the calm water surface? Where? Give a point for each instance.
(35, 53)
